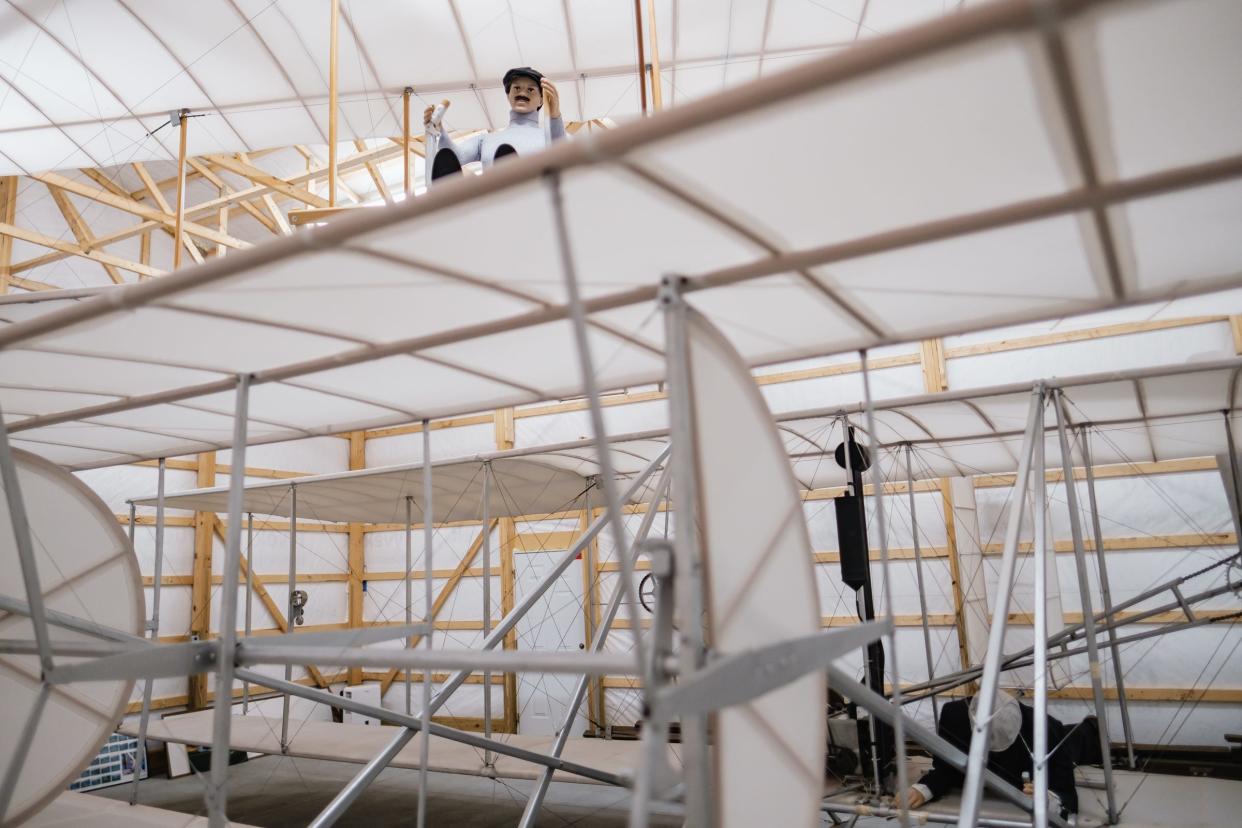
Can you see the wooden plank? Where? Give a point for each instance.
(8, 215)
(264, 178)
(1084, 334)
(955, 575)
(158, 197)
(1130, 544)
(81, 231)
(136, 208)
(200, 596)
(272, 224)
(935, 371)
(508, 590)
(357, 549)
(380, 185)
(15, 232)
(1235, 327)
(590, 592)
(333, 87)
(1145, 469)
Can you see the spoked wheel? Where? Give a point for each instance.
(89, 578)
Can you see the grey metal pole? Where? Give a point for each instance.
(289, 625)
(346, 797)
(153, 627)
(918, 574)
(535, 801)
(217, 794)
(972, 789)
(249, 598)
(428, 589)
(1106, 596)
(487, 605)
(607, 481)
(133, 521)
(409, 595)
(1088, 614)
(688, 563)
(1039, 488)
(877, 483)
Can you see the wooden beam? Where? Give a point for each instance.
(142, 228)
(103, 181)
(935, 371)
(179, 216)
(376, 177)
(657, 93)
(128, 205)
(406, 180)
(1235, 327)
(1063, 337)
(80, 231)
(258, 176)
(200, 596)
(335, 11)
(508, 592)
(357, 549)
(8, 215)
(254, 212)
(13, 231)
(955, 575)
(158, 197)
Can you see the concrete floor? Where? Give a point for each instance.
(279, 792)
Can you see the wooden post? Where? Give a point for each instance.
(959, 613)
(642, 60)
(200, 586)
(505, 437)
(935, 370)
(590, 580)
(357, 548)
(657, 94)
(8, 215)
(508, 578)
(178, 238)
(405, 140)
(224, 223)
(1235, 325)
(336, 13)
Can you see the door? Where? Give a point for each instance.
(554, 624)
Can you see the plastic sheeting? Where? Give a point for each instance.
(1000, 165)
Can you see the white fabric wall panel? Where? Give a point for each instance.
(462, 441)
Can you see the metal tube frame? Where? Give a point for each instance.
(540, 789)
(217, 789)
(357, 785)
(153, 627)
(249, 599)
(429, 616)
(1039, 514)
(877, 484)
(409, 597)
(918, 574)
(1088, 614)
(486, 531)
(293, 576)
(1106, 597)
(972, 789)
(688, 564)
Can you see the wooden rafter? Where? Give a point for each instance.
(376, 177)
(263, 178)
(158, 197)
(271, 223)
(70, 249)
(143, 228)
(80, 230)
(8, 215)
(128, 205)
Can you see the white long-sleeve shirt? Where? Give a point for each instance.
(523, 133)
